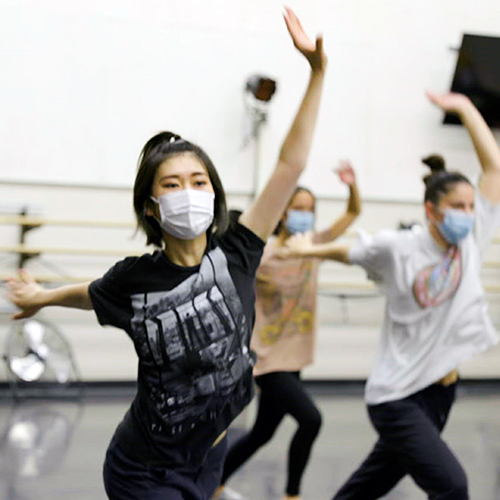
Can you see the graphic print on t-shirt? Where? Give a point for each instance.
(286, 299)
(439, 282)
(194, 340)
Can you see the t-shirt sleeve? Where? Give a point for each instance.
(244, 247)
(487, 221)
(374, 254)
(109, 301)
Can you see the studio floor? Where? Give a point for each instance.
(54, 450)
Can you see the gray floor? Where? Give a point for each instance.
(55, 450)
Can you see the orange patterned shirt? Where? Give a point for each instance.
(285, 325)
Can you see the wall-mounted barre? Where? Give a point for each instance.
(33, 222)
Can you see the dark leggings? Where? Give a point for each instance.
(281, 393)
(410, 443)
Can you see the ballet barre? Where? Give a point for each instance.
(35, 251)
(30, 221)
(35, 222)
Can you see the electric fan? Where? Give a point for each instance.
(37, 352)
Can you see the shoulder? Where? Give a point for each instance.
(239, 236)
(135, 262)
(242, 246)
(387, 239)
(129, 267)
(379, 248)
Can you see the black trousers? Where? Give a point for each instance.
(410, 443)
(281, 393)
(125, 479)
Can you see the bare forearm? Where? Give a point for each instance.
(482, 138)
(354, 202)
(297, 144)
(326, 251)
(75, 296)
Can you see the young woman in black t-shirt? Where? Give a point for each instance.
(188, 307)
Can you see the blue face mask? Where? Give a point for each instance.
(299, 221)
(456, 225)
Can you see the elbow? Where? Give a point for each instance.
(294, 164)
(355, 212)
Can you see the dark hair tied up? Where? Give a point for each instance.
(439, 182)
(158, 149)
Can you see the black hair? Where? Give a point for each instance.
(298, 189)
(439, 182)
(159, 148)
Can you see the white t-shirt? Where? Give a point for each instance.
(419, 346)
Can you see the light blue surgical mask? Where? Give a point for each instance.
(299, 221)
(456, 225)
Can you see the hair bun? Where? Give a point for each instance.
(437, 165)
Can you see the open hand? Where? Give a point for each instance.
(299, 244)
(346, 172)
(450, 102)
(312, 51)
(25, 293)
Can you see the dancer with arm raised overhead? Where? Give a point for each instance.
(188, 307)
(435, 318)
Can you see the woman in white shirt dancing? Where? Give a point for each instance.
(435, 318)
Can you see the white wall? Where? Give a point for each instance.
(84, 84)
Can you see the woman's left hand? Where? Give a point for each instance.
(346, 173)
(312, 51)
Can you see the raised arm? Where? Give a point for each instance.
(265, 212)
(25, 293)
(348, 177)
(302, 245)
(483, 139)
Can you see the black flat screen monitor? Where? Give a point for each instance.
(477, 75)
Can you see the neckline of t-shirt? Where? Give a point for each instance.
(432, 243)
(177, 267)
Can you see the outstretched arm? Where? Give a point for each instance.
(25, 293)
(265, 212)
(483, 139)
(348, 177)
(301, 245)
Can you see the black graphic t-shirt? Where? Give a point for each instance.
(191, 329)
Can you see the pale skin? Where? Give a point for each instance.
(185, 171)
(460, 197)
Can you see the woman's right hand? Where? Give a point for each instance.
(451, 102)
(299, 244)
(25, 293)
(312, 51)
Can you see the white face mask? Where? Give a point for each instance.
(187, 213)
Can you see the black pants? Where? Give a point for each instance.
(125, 479)
(410, 443)
(281, 393)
